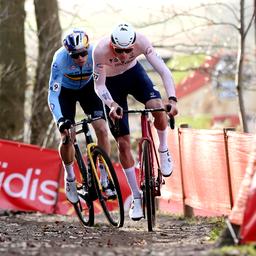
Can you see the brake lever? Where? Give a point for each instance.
(116, 122)
(116, 126)
(171, 118)
(172, 122)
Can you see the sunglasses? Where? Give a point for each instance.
(76, 55)
(118, 50)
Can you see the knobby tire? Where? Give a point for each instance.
(149, 195)
(84, 208)
(112, 208)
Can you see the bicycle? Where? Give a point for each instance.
(150, 176)
(89, 187)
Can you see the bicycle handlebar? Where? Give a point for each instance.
(150, 110)
(146, 110)
(68, 125)
(85, 121)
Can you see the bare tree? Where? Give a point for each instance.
(254, 8)
(243, 30)
(49, 35)
(221, 33)
(12, 69)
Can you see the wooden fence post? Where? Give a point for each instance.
(187, 209)
(225, 130)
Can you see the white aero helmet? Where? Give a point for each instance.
(123, 36)
(76, 40)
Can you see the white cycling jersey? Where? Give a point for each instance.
(107, 63)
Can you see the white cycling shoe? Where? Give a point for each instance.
(110, 193)
(166, 163)
(136, 212)
(71, 191)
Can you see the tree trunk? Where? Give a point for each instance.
(49, 36)
(255, 24)
(12, 69)
(239, 72)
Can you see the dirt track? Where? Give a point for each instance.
(38, 234)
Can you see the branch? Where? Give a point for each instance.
(249, 25)
(194, 28)
(210, 22)
(188, 13)
(189, 46)
(224, 5)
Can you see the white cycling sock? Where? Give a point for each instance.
(132, 181)
(162, 135)
(103, 173)
(69, 172)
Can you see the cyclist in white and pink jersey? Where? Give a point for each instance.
(118, 73)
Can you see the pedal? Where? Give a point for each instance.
(83, 194)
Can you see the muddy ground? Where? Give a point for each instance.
(40, 234)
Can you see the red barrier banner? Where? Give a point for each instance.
(239, 147)
(237, 214)
(32, 179)
(29, 177)
(208, 168)
(248, 228)
(204, 167)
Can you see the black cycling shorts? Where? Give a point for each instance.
(86, 96)
(135, 82)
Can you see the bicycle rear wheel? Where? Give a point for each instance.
(84, 208)
(111, 205)
(148, 193)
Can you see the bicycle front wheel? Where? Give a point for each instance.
(148, 193)
(84, 208)
(112, 204)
